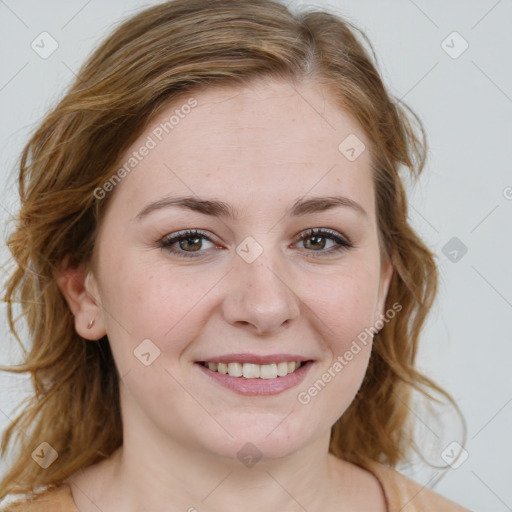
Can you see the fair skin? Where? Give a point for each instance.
(259, 149)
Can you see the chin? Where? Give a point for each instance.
(266, 438)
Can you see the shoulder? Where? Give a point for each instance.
(406, 495)
(53, 499)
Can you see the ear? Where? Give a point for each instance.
(386, 274)
(79, 287)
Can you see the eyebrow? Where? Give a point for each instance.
(222, 209)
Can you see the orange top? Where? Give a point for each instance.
(402, 495)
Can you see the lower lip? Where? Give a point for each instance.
(258, 387)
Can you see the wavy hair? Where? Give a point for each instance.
(148, 61)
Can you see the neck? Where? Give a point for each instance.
(190, 480)
(152, 471)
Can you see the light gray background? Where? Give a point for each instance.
(466, 192)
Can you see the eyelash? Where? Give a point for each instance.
(343, 243)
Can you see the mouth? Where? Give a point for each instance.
(252, 379)
(255, 371)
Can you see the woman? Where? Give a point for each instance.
(213, 256)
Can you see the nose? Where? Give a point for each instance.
(259, 298)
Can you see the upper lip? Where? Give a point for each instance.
(255, 359)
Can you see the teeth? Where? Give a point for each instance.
(251, 371)
(254, 371)
(282, 369)
(235, 369)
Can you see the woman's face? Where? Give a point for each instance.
(259, 167)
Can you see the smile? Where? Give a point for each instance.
(255, 371)
(253, 379)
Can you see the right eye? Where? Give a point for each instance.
(186, 243)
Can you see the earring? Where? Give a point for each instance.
(90, 324)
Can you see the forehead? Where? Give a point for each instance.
(266, 114)
(271, 138)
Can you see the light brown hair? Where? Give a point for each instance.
(175, 48)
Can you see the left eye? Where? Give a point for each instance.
(317, 240)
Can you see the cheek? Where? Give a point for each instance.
(143, 300)
(150, 295)
(344, 304)
(343, 309)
